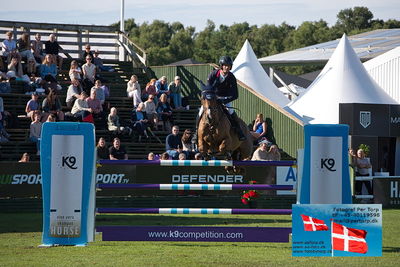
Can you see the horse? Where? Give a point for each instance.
(216, 137)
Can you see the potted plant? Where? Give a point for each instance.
(366, 149)
(249, 197)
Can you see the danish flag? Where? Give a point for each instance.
(348, 239)
(312, 224)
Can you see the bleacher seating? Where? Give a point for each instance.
(15, 103)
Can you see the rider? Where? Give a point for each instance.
(226, 90)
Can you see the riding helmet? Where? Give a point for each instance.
(225, 60)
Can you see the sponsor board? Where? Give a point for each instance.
(387, 192)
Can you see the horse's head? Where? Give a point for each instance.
(208, 96)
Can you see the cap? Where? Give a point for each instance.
(265, 141)
(35, 93)
(177, 78)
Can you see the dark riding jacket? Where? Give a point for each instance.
(227, 88)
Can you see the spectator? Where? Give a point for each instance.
(51, 118)
(162, 87)
(9, 47)
(87, 53)
(15, 70)
(150, 90)
(37, 48)
(261, 152)
(198, 156)
(99, 62)
(133, 90)
(89, 74)
(175, 89)
(25, 158)
(97, 108)
(24, 46)
(6, 117)
(33, 106)
(164, 112)
(35, 132)
(259, 127)
(100, 95)
(5, 86)
(117, 152)
(173, 143)
(363, 165)
(80, 109)
(151, 156)
(73, 92)
(164, 156)
(75, 71)
(151, 112)
(102, 150)
(4, 136)
(53, 48)
(181, 156)
(48, 70)
(52, 105)
(31, 69)
(187, 145)
(114, 124)
(139, 119)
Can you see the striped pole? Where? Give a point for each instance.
(214, 187)
(195, 211)
(198, 163)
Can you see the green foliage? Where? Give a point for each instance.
(366, 149)
(169, 42)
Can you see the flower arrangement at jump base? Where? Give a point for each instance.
(249, 196)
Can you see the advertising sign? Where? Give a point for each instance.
(68, 183)
(387, 192)
(337, 230)
(325, 175)
(286, 176)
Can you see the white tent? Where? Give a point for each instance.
(343, 80)
(248, 70)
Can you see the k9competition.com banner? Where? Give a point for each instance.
(337, 230)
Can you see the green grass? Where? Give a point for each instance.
(20, 235)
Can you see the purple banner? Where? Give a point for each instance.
(197, 234)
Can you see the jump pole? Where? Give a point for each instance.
(208, 187)
(194, 211)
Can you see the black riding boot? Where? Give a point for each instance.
(194, 137)
(236, 125)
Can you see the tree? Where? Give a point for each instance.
(357, 18)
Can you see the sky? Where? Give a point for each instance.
(191, 13)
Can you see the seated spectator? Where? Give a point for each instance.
(133, 90)
(175, 89)
(173, 143)
(15, 69)
(35, 131)
(151, 156)
(97, 108)
(150, 90)
(114, 124)
(151, 112)
(117, 152)
(162, 87)
(86, 53)
(198, 156)
(99, 62)
(164, 156)
(266, 151)
(25, 158)
(73, 92)
(37, 48)
(102, 150)
(5, 86)
(139, 119)
(164, 112)
(9, 47)
(181, 156)
(51, 118)
(89, 74)
(48, 71)
(31, 69)
(24, 46)
(259, 127)
(33, 106)
(80, 109)
(53, 48)
(75, 71)
(52, 105)
(187, 145)
(100, 95)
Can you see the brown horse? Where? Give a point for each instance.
(216, 137)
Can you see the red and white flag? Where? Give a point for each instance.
(312, 224)
(348, 239)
